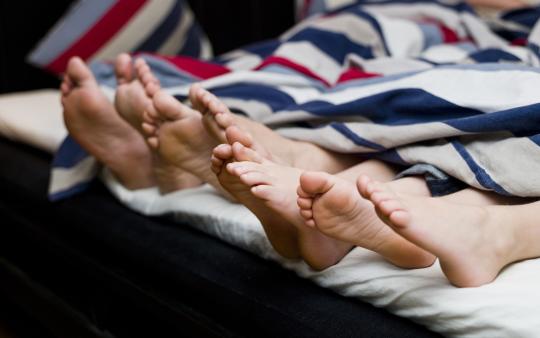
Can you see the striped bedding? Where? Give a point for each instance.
(100, 30)
(403, 81)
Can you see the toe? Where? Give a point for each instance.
(315, 183)
(304, 203)
(389, 206)
(169, 108)
(362, 184)
(306, 213)
(153, 142)
(235, 134)
(223, 152)
(400, 218)
(256, 178)
(78, 72)
(123, 68)
(149, 129)
(267, 193)
(242, 153)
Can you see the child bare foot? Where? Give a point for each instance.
(335, 207)
(470, 244)
(93, 122)
(217, 118)
(181, 143)
(269, 191)
(131, 97)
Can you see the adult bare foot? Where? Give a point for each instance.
(93, 122)
(131, 97)
(335, 207)
(181, 143)
(217, 118)
(470, 243)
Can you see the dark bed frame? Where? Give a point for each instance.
(89, 267)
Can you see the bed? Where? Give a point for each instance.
(90, 267)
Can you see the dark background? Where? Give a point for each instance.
(228, 23)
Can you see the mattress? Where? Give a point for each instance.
(505, 308)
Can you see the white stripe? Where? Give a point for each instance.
(512, 162)
(394, 31)
(178, 37)
(63, 179)
(309, 56)
(137, 30)
(476, 89)
(443, 156)
(69, 29)
(353, 27)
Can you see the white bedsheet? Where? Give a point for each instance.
(509, 307)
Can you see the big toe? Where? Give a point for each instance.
(235, 134)
(168, 107)
(123, 68)
(315, 183)
(78, 72)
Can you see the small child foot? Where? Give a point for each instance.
(335, 207)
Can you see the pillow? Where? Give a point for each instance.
(307, 8)
(100, 30)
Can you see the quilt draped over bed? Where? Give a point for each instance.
(406, 82)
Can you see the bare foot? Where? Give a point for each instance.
(217, 118)
(282, 234)
(335, 207)
(468, 241)
(93, 122)
(131, 98)
(181, 143)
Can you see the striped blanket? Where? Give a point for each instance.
(403, 81)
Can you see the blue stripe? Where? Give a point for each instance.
(163, 32)
(491, 55)
(481, 175)
(343, 129)
(274, 98)
(77, 189)
(69, 154)
(395, 107)
(535, 139)
(193, 44)
(521, 121)
(335, 45)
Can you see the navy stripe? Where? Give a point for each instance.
(164, 30)
(77, 189)
(521, 121)
(535, 139)
(343, 129)
(395, 107)
(493, 55)
(193, 44)
(335, 45)
(69, 154)
(274, 98)
(481, 175)
(527, 17)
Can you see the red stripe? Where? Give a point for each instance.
(449, 36)
(354, 73)
(200, 69)
(519, 42)
(289, 64)
(99, 34)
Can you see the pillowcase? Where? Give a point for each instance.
(102, 29)
(307, 8)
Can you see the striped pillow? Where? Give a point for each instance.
(101, 29)
(307, 8)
